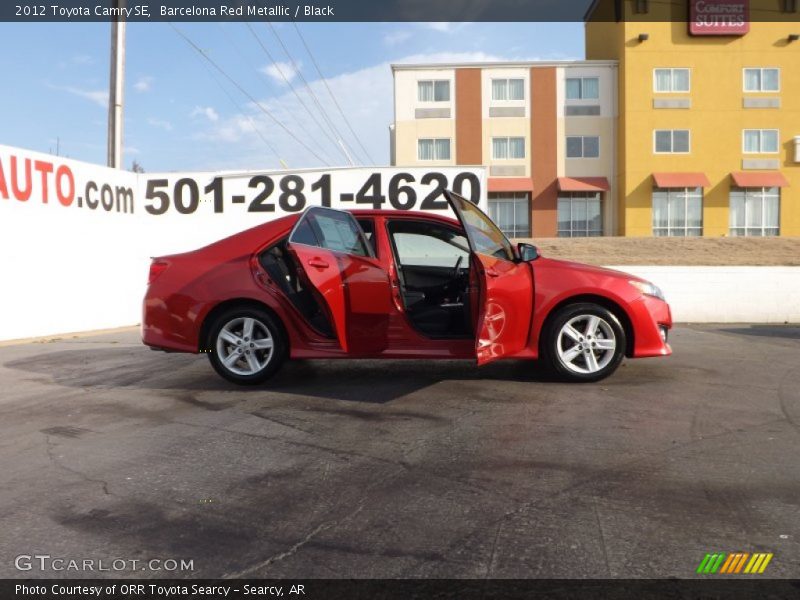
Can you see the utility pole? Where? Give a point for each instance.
(116, 88)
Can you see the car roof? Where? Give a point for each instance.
(403, 214)
(365, 212)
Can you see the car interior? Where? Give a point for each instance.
(278, 264)
(432, 266)
(280, 268)
(433, 263)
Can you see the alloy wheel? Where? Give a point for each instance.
(586, 344)
(245, 346)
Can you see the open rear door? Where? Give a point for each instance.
(331, 250)
(506, 285)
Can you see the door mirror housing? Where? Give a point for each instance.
(527, 252)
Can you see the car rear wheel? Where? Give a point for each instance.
(246, 346)
(584, 342)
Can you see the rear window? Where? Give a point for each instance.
(332, 230)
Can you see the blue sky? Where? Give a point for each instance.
(183, 115)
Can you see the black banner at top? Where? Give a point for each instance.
(396, 10)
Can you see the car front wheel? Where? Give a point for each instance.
(246, 346)
(584, 342)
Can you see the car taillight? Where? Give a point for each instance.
(156, 268)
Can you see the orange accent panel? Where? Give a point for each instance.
(510, 184)
(469, 118)
(544, 144)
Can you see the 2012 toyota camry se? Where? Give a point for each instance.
(393, 284)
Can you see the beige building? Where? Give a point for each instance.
(545, 130)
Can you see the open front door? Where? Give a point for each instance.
(506, 285)
(331, 250)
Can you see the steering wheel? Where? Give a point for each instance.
(456, 271)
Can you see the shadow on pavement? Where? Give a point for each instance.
(371, 381)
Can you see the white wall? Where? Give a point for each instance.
(66, 267)
(727, 294)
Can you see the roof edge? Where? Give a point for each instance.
(503, 64)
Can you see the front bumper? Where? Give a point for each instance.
(652, 321)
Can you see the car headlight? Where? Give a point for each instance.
(648, 289)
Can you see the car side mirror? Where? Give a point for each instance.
(527, 252)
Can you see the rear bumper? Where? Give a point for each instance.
(651, 318)
(161, 328)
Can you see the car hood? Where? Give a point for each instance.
(576, 266)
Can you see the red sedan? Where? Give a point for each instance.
(392, 284)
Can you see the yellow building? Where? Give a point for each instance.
(709, 119)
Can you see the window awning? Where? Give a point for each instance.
(760, 179)
(681, 180)
(583, 184)
(510, 184)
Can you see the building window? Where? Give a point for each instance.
(508, 147)
(671, 80)
(511, 213)
(433, 149)
(580, 214)
(508, 89)
(760, 141)
(755, 211)
(583, 88)
(671, 141)
(678, 212)
(437, 90)
(762, 80)
(583, 146)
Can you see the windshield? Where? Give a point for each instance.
(484, 236)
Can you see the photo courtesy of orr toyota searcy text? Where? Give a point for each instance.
(140, 590)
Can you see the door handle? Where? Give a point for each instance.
(492, 273)
(318, 263)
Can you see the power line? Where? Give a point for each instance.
(246, 59)
(333, 97)
(242, 111)
(245, 93)
(308, 87)
(292, 88)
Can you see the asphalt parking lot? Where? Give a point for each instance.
(402, 468)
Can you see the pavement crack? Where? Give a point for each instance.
(270, 419)
(50, 448)
(294, 547)
(490, 566)
(782, 400)
(602, 535)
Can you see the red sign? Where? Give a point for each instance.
(719, 17)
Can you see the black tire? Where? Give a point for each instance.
(264, 328)
(558, 345)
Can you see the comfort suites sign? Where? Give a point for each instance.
(719, 17)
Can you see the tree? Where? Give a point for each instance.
(136, 167)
